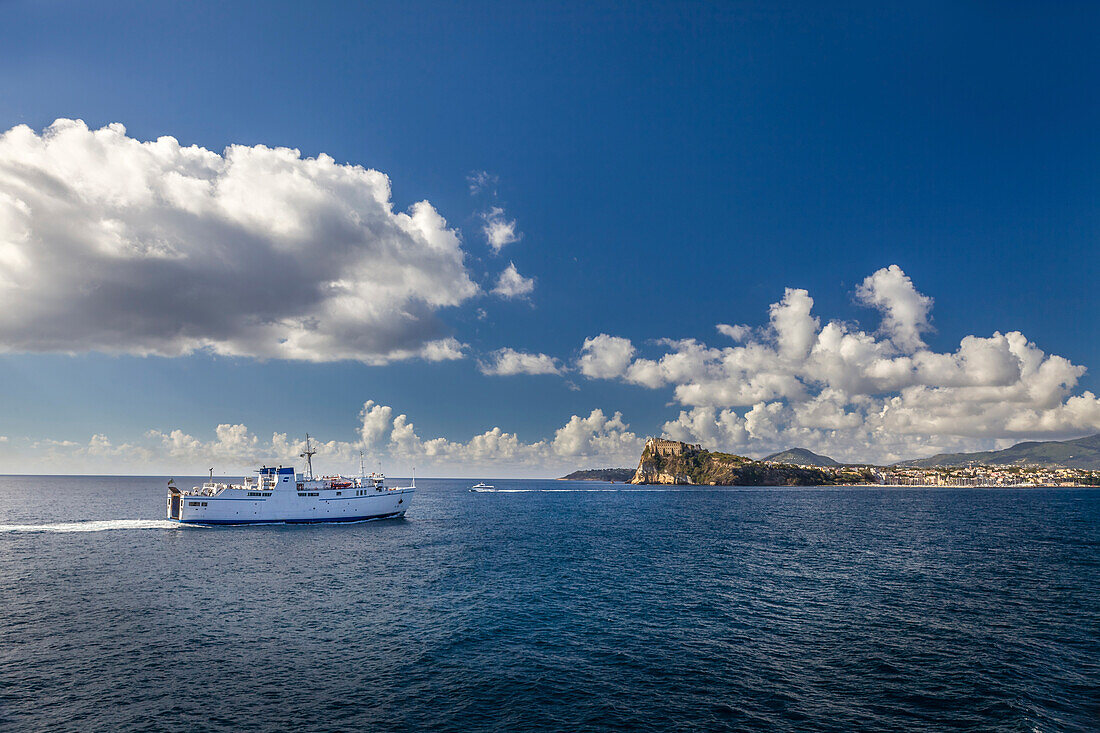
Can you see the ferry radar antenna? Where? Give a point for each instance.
(308, 455)
(211, 474)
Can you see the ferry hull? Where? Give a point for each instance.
(289, 506)
(313, 520)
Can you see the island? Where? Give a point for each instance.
(1069, 463)
(1074, 463)
(674, 462)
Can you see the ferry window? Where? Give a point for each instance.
(337, 493)
(204, 503)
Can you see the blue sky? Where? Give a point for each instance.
(667, 168)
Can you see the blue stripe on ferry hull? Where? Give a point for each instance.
(316, 520)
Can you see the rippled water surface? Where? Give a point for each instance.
(547, 609)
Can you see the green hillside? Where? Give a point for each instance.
(801, 457)
(1079, 453)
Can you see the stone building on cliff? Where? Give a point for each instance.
(662, 447)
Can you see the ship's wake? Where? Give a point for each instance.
(565, 491)
(93, 525)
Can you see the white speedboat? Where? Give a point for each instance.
(280, 495)
(483, 487)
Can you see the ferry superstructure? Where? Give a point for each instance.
(280, 495)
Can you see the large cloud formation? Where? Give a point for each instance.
(111, 244)
(856, 395)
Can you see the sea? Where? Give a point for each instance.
(555, 606)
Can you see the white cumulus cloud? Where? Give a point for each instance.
(905, 311)
(508, 362)
(108, 243)
(605, 357)
(513, 285)
(499, 230)
(736, 333)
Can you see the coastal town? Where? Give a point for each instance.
(971, 475)
(988, 476)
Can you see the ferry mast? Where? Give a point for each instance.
(308, 455)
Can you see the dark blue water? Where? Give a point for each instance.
(712, 609)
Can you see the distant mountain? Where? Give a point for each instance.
(1079, 453)
(801, 457)
(601, 474)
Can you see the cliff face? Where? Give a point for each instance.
(695, 466)
(650, 472)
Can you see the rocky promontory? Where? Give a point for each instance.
(673, 462)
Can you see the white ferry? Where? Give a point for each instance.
(279, 495)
